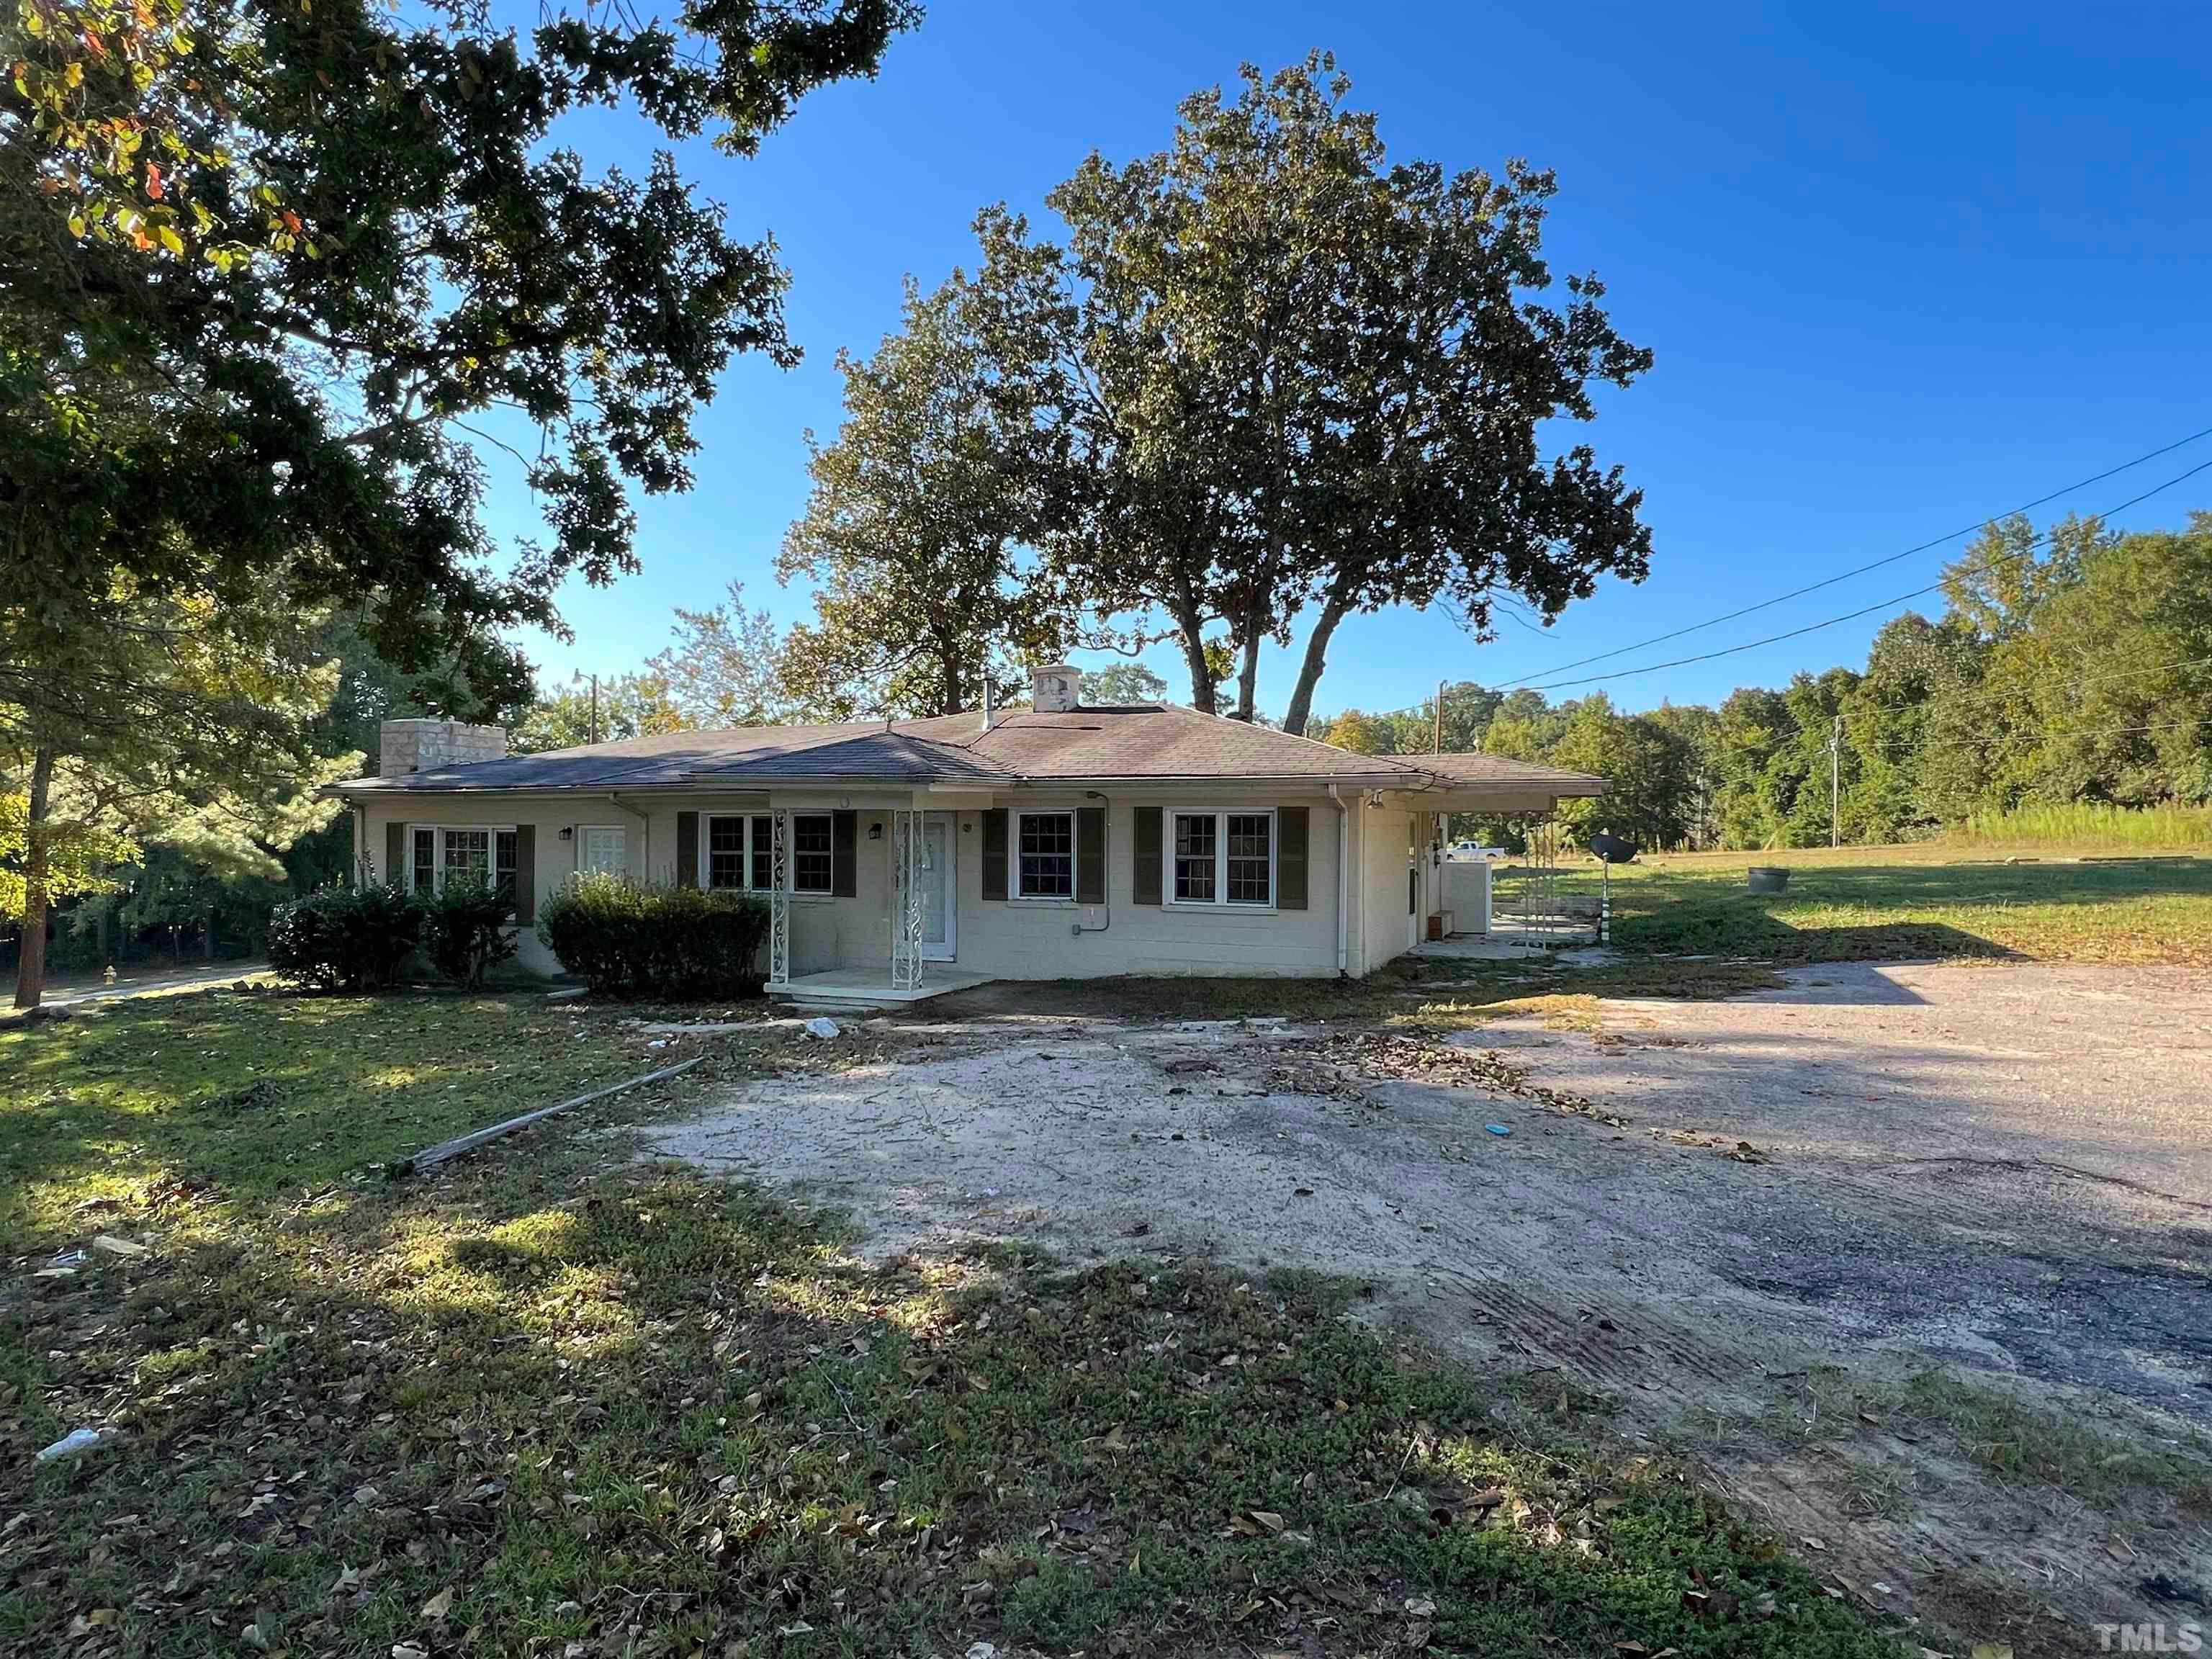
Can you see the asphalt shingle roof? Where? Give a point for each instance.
(1135, 743)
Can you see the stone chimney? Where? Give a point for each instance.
(404, 746)
(1056, 688)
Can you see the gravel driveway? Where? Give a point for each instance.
(2003, 1167)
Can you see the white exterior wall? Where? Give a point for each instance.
(1382, 868)
(1009, 939)
(1034, 938)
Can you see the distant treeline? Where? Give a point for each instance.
(2072, 667)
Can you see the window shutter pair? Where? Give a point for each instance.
(1147, 862)
(1090, 853)
(687, 849)
(394, 873)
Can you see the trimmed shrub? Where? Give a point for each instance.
(344, 939)
(628, 941)
(464, 927)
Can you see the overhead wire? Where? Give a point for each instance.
(1890, 559)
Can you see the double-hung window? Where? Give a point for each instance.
(437, 853)
(740, 852)
(1044, 855)
(1224, 858)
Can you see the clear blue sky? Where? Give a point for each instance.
(1902, 268)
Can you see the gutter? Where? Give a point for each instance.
(1343, 884)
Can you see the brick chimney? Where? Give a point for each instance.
(1056, 688)
(404, 746)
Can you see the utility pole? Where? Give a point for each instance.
(595, 708)
(1835, 792)
(1438, 748)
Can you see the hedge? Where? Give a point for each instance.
(628, 941)
(345, 939)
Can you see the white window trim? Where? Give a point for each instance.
(703, 875)
(438, 849)
(586, 831)
(1221, 815)
(1014, 894)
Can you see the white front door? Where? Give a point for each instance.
(940, 918)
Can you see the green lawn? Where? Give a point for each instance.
(1905, 901)
(551, 1396)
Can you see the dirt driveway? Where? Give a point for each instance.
(1696, 1207)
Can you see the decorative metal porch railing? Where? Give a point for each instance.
(779, 900)
(909, 904)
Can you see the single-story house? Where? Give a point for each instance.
(900, 858)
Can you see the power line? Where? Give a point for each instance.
(1861, 570)
(1849, 616)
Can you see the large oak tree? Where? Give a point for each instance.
(268, 266)
(1293, 381)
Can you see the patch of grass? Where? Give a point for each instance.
(1893, 903)
(2087, 826)
(2022, 1441)
(552, 1397)
(256, 1095)
(2014, 1438)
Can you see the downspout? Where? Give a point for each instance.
(647, 820)
(1343, 884)
(360, 847)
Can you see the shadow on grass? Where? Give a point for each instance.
(641, 1408)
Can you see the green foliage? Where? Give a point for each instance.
(1284, 379)
(464, 926)
(214, 227)
(345, 939)
(911, 532)
(2073, 673)
(628, 706)
(625, 940)
(1124, 683)
(724, 669)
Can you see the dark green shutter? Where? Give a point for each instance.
(526, 874)
(844, 854)
(1145, 864)
(395, 855)
(995, 853)
(1291, 859)
(687, 849)
(1090, 855)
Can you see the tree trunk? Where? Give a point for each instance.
(31, 962)
(1191, 629)
(1248, 675)
(1316, 658)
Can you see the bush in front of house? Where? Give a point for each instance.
(626, 940)
(464, 927)
(345, 939)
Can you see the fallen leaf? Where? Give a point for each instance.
(439, 1605)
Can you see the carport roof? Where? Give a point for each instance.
(1133, 742)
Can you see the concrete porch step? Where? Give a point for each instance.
(854, 988)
